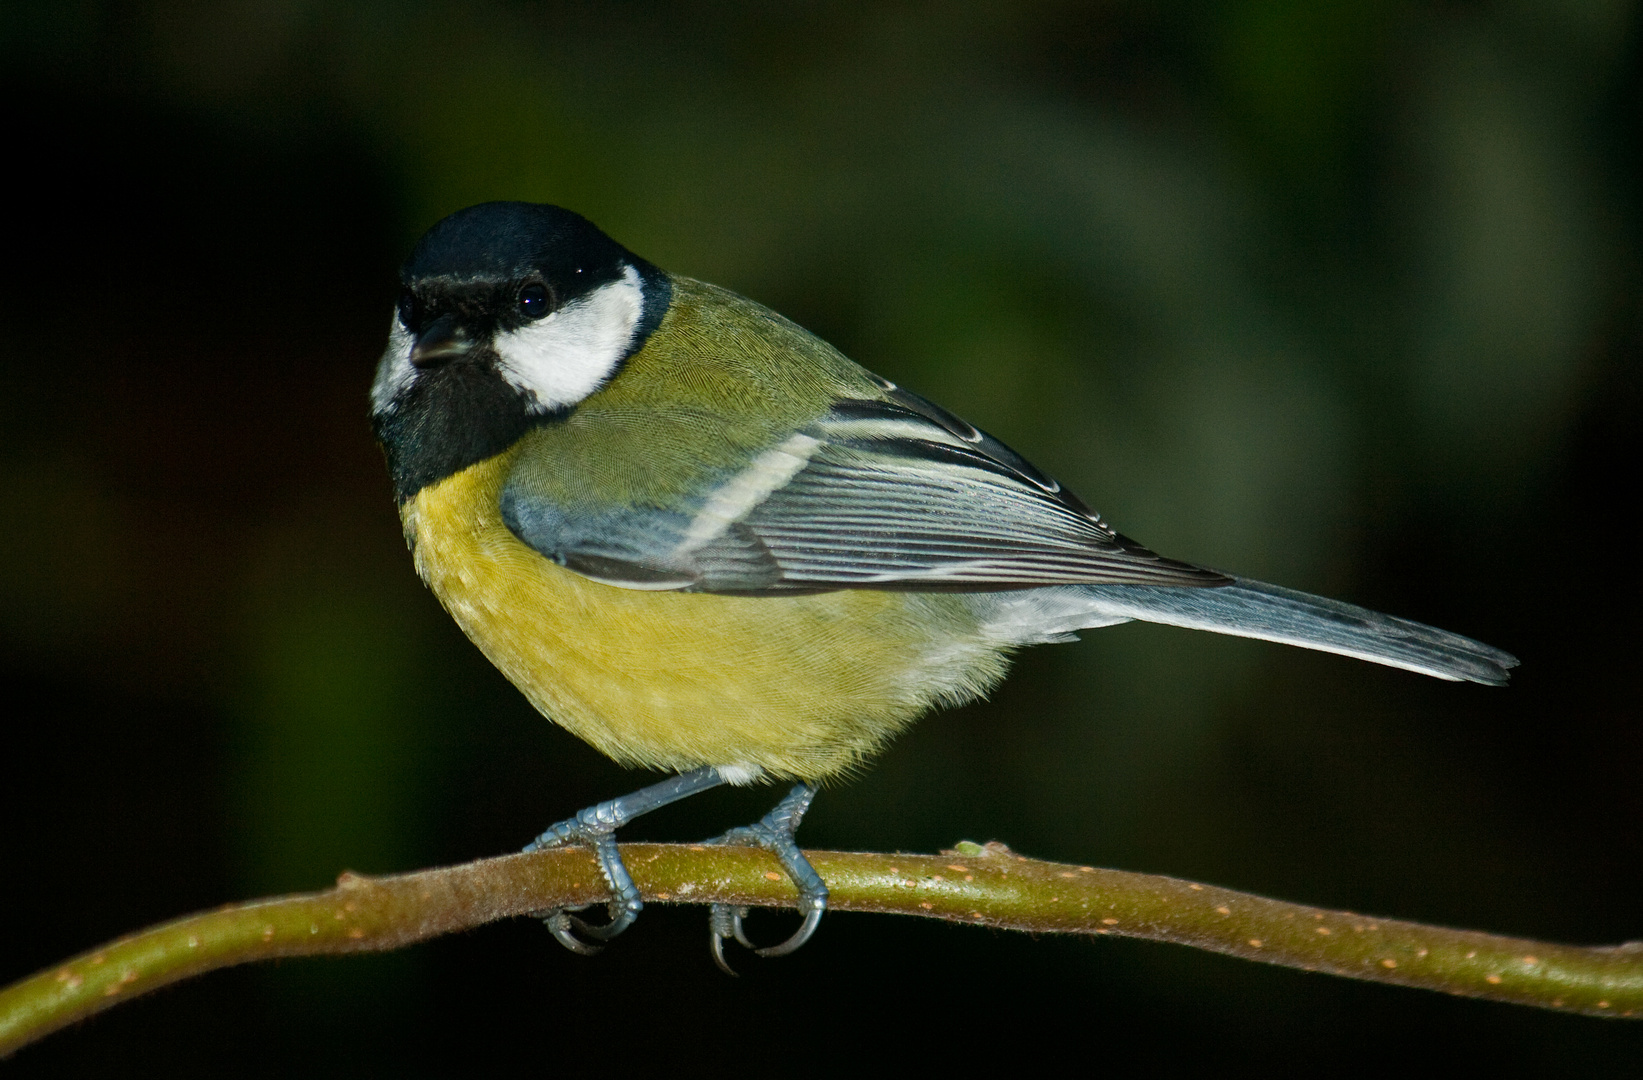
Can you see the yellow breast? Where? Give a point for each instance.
(802, 687)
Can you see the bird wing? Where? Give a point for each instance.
(891, 492)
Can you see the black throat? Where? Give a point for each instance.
(451, 418)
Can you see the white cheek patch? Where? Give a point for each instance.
(568, 355)
(394, 370)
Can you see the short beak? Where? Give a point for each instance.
(440, 342)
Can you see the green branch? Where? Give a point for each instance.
(984, 886)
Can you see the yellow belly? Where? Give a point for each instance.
(801, 687)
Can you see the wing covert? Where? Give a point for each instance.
(884, 493)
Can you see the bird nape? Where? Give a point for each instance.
(700, 538)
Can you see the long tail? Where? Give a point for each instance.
(1256, 610)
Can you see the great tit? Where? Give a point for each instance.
(704, 541)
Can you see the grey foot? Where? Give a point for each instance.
(775, 833)
(596, 828)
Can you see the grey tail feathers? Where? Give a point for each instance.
(1256, 610)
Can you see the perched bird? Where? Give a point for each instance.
(704, 541)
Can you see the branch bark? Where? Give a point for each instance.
(981, 885)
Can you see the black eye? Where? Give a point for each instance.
(407, 310)
(534, 301)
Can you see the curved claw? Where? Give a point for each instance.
(566, 927)
(812, 919)
(563, 926)
(775, 834)
(725, 920)
(595, 827)
(736, 924)
(622, 916)
(716, 946)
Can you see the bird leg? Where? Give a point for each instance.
(596, 828)
(774, 832)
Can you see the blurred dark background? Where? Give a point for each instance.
(1344, 296)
